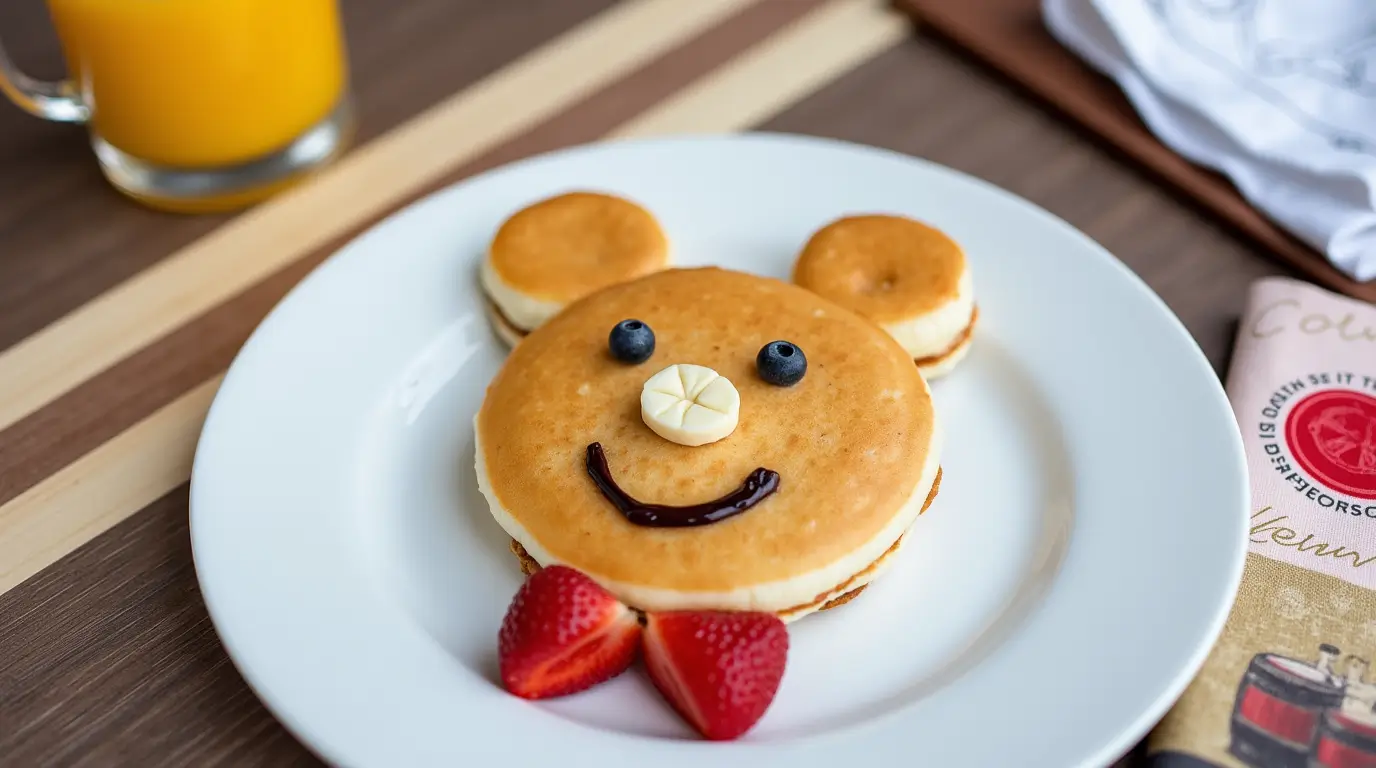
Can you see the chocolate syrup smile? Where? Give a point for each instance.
(758, 485)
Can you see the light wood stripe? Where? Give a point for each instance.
(789, 65)
(754, 87)
(252, 246)
(93, 493)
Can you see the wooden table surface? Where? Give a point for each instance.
(115, 321)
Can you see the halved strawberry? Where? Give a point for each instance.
(719, 669)
(562, 634)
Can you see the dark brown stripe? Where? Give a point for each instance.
(82, 419)
(108, 658)
(66, 237)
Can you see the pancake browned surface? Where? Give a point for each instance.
(566, 247)
(887, 268)
(911, 279)
(854, 443)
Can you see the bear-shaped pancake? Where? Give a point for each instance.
(853, 448)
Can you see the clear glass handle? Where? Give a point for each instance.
(49, 100)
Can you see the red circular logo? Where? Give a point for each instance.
(1333, 437)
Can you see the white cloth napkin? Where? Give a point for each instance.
(1278, 95)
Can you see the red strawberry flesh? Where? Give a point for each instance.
(718, 669)
(562, 634)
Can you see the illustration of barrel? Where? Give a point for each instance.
(1280, 703)
(1344, 741)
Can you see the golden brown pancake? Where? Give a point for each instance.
(855, 442)
(563, 248)
(911, 279)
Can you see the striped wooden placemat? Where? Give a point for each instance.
(117, 323)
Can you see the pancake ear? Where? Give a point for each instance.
(560, 250)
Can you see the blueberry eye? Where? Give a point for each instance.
(781, 363)
(631, 341)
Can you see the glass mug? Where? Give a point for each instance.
(198, 105)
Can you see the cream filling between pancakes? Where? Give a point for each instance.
(522, 310)
(932, 333)
(947, 362)
(774, 596)
(507, 332)
(858, 581)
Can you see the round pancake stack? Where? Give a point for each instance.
(856, 445)
(910, 279)
(561, 249)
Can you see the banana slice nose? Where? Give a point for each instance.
(690, 405)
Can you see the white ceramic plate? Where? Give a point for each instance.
(1058, 596)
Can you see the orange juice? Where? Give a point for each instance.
(203, 83)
